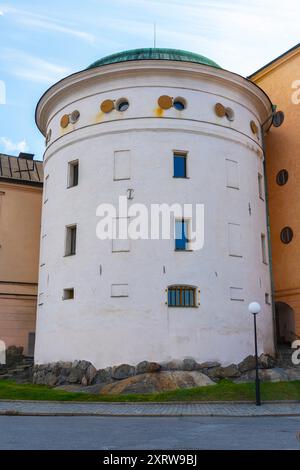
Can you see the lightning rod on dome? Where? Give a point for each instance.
(154, 34)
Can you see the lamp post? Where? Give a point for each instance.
(255, 308)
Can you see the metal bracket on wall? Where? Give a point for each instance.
(130, 192)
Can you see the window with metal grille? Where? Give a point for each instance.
(181, 296)
(71, 240)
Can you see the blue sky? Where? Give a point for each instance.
(43, 41)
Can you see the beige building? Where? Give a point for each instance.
(21, 185)
(279, 79)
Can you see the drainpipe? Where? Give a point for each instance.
(268, 231)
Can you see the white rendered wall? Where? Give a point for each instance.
(112, 330)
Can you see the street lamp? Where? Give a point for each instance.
(255, 308)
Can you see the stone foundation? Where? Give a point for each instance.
(85, 374)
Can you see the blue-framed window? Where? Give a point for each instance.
(181, 296)
(179, 165)
(181, 234)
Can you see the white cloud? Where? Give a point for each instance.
(46, 23)
(32, 68)
(10, 146)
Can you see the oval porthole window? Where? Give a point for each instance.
(253, 127)
(179, 104)
(286, 235)
(165, 102)
(220, 110)
(64, 122)
(107, 106)
(74, 116)
(229, 114)
(122, 105)
(282, 177)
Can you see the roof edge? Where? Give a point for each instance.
(285, 55)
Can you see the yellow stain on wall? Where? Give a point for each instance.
(98, 117)
(158, 112)
(64, 130)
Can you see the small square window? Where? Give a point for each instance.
(71, 233)
(119, 290)
(68, 294)
(236, 293)
(181, 235)
(73, 174)
(267, 298)
(180, 165)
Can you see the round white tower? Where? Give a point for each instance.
(157, 126)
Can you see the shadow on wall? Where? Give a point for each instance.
(285, 323)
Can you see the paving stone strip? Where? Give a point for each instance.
(30, 408)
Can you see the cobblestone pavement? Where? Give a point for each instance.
(147, 409)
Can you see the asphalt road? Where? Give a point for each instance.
(111, 433)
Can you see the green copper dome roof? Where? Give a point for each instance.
(154, 54)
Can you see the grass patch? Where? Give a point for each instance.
(225, 390)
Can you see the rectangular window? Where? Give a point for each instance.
(232, 174)
(264, 249)
(71, 240)
(260, 186)
(41, 299)
(181, 296)
(236, 293)
(122, 165)
(68, 294)
(267, 298)
(73, 174)
(121, 240)
(181, 234)
(234, 240)
(180, 165)
(119, 290)
(46, 188)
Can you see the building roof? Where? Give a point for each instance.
(154, 54)
(21, 170)
(281, 58)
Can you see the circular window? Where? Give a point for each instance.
(220, 110)
(179, 104)
(229, 114)
(282, 177)
(64, 122)
(286, 235)
(165, 102)
(74, 116)
(254, 127)
(122, 105)
(107, 106)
